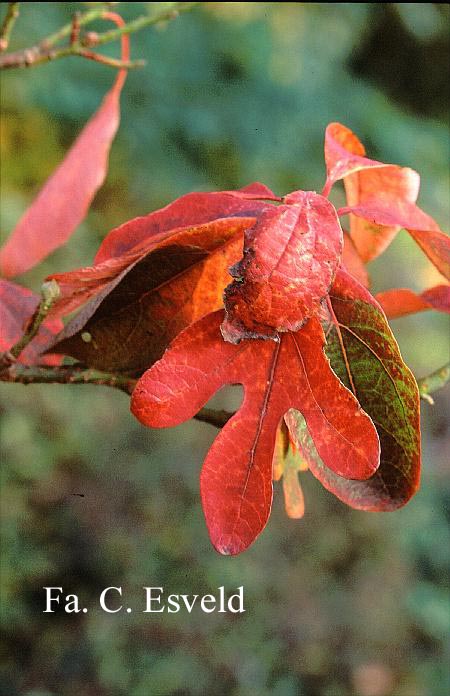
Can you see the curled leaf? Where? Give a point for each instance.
(344, 155)
(436, 245)
(66, 197)
(188, 211)
(288, 461)
(151, 280)
(128, 324)
(422, 228)
(367, 181)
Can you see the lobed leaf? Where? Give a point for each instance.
(236, 479)
(422, 228)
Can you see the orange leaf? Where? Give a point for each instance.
(402, 301)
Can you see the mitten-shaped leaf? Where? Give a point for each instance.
(364, 354)
(290, 258)
(236, 480)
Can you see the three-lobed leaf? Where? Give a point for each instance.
(236, 479)
(159, 280)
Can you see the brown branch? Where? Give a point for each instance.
(37, 55)
(67, 374)
(75, 31)
(82, 19)
(7, 25)
(146, 21)
(73, 374)
(47, 50)
(213, 416)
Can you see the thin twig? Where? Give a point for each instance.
(75, 31)
(37, 56)
(37, 374)
(431, 383)
(49, 292)
(47, 50)
(83, 18)
(7, 25)
(73, 374)
(145, 21)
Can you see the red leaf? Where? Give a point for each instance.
(139, 302)
(399, 213)
(401, 301)
(191, 209)
(364, 354)
(17, 306)
(353, 263)
(163, 280)
(436, 245)
(344, 155)
(365, 181)
(236, 480)
(390, 186)
(422, 228)
(67, 195)
(290, 258)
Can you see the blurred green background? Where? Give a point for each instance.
(340, 603)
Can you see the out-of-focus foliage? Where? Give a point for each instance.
(338, 603)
